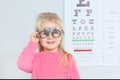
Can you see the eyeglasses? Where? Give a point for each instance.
(45, 32)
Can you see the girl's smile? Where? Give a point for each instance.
(50, 42)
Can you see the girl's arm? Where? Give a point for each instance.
(25, 60)
(75, 73)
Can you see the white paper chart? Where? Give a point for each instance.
(92, 31)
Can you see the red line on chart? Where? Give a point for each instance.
(82, 50)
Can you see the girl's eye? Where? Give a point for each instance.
(44, 34)
(56, 33)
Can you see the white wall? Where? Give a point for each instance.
(17, 19)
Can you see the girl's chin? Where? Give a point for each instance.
(51, 48)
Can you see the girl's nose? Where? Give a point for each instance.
(50, 36)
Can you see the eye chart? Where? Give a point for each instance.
(92, 31)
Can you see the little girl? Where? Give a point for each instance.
(52, 61)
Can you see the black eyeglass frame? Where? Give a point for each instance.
(51, 30)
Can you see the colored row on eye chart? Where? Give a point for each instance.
(92, 31)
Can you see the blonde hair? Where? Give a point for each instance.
(52, 17)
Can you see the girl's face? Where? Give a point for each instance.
(52, 41)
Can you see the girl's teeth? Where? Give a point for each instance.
(50, 42)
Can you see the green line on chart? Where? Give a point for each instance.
(83, 40)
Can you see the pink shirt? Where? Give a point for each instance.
(45, 65)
